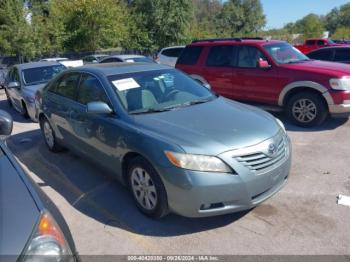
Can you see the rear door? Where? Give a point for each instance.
(251, 82)
(96, 134)
(59, 103)
(342, 55)
(218, 69)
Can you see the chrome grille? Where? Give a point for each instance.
(260, 162)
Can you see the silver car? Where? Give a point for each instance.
(23, 80)
(178, 146)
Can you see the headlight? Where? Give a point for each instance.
(197, 162)
(47, 243)
(279, 122)
(340, 83)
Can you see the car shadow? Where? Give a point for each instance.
(94, 192)
(329, 124)
(16, 116)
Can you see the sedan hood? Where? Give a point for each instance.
(211, 128)
(31, 90)
(19, 212)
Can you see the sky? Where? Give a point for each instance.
(281, 12)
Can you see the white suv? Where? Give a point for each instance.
(169, 55)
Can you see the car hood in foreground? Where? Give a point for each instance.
(19, 213)
(211, 128)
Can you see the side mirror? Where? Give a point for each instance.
(14, 85)
(98, 108)
(6, 123)
(263, 64)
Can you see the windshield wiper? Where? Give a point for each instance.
(195, 102)
(149, 110)
(297, 61)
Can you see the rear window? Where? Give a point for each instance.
(190, 55)
(172, 52)
(342, 55)
(310, 42)
(41, 75)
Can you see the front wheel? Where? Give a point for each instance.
(49, 136)
(307, 109)
(147, 188)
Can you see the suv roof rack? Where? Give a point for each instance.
(237, 39)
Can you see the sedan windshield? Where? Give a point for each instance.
(39, 75)
(160, 90)
(284, 53)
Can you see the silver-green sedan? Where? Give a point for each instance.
(178, 146)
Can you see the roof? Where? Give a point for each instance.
(126, 56)
(109, 69)
(54, 59)
(36, 64)
(230, 41)
(171, 47)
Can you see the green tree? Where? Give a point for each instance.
(165, 22)
(240, 18)
(15, 30)
(342, 33)
(88, 25)
(310, 26)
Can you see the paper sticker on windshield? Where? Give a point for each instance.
(125, 84)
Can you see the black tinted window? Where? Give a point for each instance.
(91, 90)
(67, 86)
(220, 56)
(111, 60)
(248, 57)
(38, 75)
(172, 52)
(321, 55)
(320, 42)
(310, 42)
(190, 55)
(342, 55)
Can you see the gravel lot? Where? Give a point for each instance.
(303, 218)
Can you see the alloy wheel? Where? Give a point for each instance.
(48, 133)
(144, 188)
(304, 110)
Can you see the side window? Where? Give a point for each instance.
(111, 60)
(321, 43)
(67, 86)
(172, 52)
(342, 55)
(321, 55)
(190, 55)
(310, 42)
(220, 56)
(248, 57)
(91, 90)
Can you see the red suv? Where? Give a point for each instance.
(270, 73)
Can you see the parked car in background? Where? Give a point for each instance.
(64, 61)
(54, 59)
(178, 146)
(339, 54)
(23, 80)
(32, 228)
(126, 58)
(3, 73)
(169, 55)
(270, 73)
(90, 59)
(316, 43)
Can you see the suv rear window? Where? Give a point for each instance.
(342, 55)
(190, 55)
(172, 52)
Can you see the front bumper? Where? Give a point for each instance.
(200, 194)
(341, 110)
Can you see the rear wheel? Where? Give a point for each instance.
(307, 109)
(147, 188)
(49, 135)
(24, 111)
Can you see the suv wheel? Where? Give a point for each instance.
(49, 136)
(307, 109)
(147, 188)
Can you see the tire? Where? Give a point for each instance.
(24, 111)
(147, 188)
(49, 136)
(307, 109)
(8, 99)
